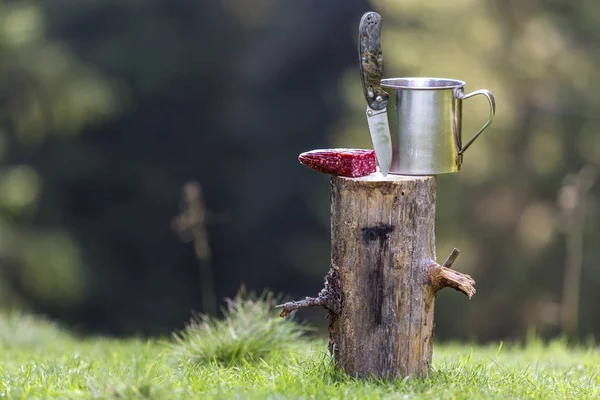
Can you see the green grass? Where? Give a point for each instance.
(249, 330)
(37, 360)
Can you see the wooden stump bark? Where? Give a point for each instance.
(383, 277)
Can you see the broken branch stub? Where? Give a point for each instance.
(441, 276)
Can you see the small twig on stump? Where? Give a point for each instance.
(295, 305)
(451, 258)
(329, 296)
(441, 276)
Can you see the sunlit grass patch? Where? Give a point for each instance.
(21, 330)
(250, 329)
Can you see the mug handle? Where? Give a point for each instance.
(490, 97)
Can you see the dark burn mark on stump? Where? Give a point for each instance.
(374, 234)
(379, 232)
(376, 297)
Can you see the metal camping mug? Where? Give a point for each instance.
(426, 125)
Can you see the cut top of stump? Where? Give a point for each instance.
(390, 184)
(378, 177)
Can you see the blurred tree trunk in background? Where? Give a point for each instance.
(574, 203)
(191, 227)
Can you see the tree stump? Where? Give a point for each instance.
(383, 277)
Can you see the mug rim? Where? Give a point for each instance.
(421, 83)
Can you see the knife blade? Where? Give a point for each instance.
(371, 70)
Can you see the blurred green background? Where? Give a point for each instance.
(107, 108)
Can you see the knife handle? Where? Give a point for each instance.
(371, 60)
